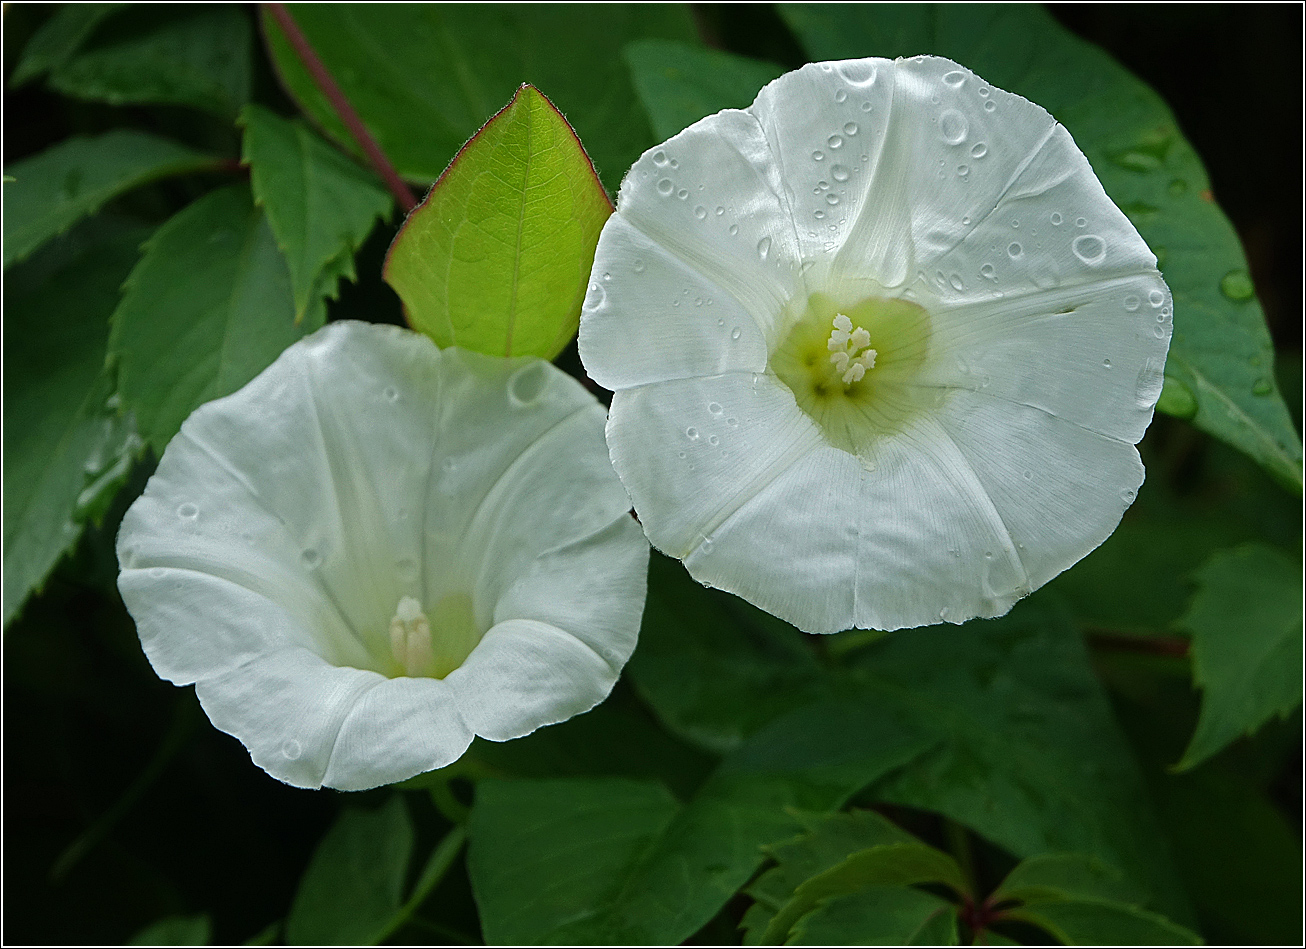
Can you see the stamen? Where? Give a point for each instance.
(850, 350)
(410, 637)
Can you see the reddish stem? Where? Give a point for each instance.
(327, 83)
(1174, 646)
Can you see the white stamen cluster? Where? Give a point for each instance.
(850, 349)
(410, 637)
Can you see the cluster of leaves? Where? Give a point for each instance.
(195, 213)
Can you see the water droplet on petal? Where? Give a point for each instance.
(1081, 222)
(734, 229)
(841, 95)
(839, 173)
(713, 440)
(682, 194)
(1128, 495)
(665, 187)
(1147, 388)
(963, 171)
(310, 558)
(1106, 364)
(1155, 298)
(986, 271)
(764, 247)
(979, 150)
(1014, 250)
(850, 128)
(857, 72)
(714, 408)
(1132, 303)
(735, 333)
(659, 158)
(188, 511)
(392, 394)
(595, 297)
(291, 750)
(700, 212)
(1089, 248)
(639, 266)
(691, 434)
(818, 155)
(953, 126)
(832, 199)
(955, 79)
(990, 106)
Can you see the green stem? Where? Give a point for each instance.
(959, 844)
(437, 866)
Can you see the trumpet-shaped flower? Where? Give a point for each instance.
(881, 347)
(377, 550)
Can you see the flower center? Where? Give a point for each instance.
(420, 652)
(850, 350)
(826, 359)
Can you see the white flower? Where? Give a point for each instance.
(881, 347)
(376, 550)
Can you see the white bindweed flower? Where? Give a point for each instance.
(377, 549)
(881, 347)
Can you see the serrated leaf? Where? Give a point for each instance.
(678, 83)
(1030, 756)
(1098, 923)
(208, 307)
(640, 869)
(879, 916)
(1058, 876)
(59, 37)
(195, 58)
(1221, 364)
(713, 668)
(65, 448)
(496, 258)
(893, 865)
(354, 884)
(425, 77)
(321, 205)
(825, 844)
(1246, 624)
(53, 190)
(176, 931)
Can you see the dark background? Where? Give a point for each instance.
(122, 804)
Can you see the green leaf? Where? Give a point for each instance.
(678, 83)
(66, 450)
(825, 844)
(1096, 923)
(53, 190)
(713, 668)
(426, 77)
(1246, 623)
(208, 307)
(320, 204)
(602, 861)
(195, 58)
(1029, 754)
(59, 37)
(887, 865)
(1220, 371)
(353, 887)
(879, 916)
(496, 258)
(176, 931)
(1059, 876)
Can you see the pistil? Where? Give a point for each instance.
(410, 638)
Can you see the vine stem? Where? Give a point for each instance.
(1173, 646)
(335, 95)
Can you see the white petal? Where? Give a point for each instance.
(287, 708)
(1059, 488)
(593, 588)
(195, 625)
(645, 300)
(525, 674)
(1090, 354)
(1052, 227)
(690, 452)
(672, 193)
(826, 127)
(396, 729)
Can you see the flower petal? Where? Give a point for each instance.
(691, 451)
(594, 588)
(672, 194)
(682, 323)
(1092, 354)
(287, 708)
(525, 674)
(396, 729)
